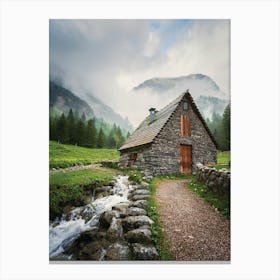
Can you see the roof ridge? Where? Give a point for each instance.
(153, 129)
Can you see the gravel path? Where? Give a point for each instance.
(195, 230)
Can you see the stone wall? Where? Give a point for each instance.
(165, 150)
(142, 161)
(123, 231)
(218, 181)
(162, 156)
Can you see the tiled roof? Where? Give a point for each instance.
(146, 131)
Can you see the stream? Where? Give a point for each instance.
(64, 231)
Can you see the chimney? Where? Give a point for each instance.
(152, 114)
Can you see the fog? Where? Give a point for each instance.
(107, 58)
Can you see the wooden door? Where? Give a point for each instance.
(186, 159)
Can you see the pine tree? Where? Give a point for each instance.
(127, 135)
(61, 128)
(119, 137)
(226, 128)
(90, 139)
(80, 133)
(84, 117)
(52, 124)
(100, 139)
(71, 127)
(111, 142)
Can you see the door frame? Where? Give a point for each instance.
(191, 157)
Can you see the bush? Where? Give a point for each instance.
(220, 203)
(135, 176)
(63, 196)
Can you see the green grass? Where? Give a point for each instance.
(223, 158)
(62, 156)
(82, 177)
(219, 166)
(221, 203)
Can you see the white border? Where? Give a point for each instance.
(255, 138)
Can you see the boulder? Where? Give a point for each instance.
(140, 204)
(88, 236)
(121, 208)
(115, 231)
(102, 194)
(111, 183)
(139, 235)
(102, 189)
(91, 251)
(141, 192)
(86, 199)
(140, 197)
(106, 217)
(145, 184)
(144, 252)
(118, 252)
(148, 178)
(136, 211)
(132, 222)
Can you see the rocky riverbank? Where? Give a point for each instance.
(121, 232)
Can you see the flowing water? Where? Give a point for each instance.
(63, 232)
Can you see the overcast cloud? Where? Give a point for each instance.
(107, 58)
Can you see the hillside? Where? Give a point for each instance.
(62, 100)
(105, 112)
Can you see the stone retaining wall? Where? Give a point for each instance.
(123, 232)
(218, 181)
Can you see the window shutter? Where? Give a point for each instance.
(185, 126)
(188, 129)
(182, 125)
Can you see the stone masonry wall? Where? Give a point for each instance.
(142, 162)
(218, 181)
(165, 152)
(163, 155)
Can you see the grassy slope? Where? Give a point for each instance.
(223, 157)
(81, 177)
(223, 160)
(68, 155)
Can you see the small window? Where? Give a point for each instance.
(185, 106)
(185, 126)
(133, 156)
(132, 159)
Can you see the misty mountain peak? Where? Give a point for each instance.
(164, 84)
(203, 89)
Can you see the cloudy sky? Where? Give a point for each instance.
(107, 58)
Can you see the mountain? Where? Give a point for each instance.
(61, 100)
(205, 91)
(107, 113)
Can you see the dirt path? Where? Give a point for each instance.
(195, 230)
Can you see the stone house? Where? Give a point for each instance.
(170, 141)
